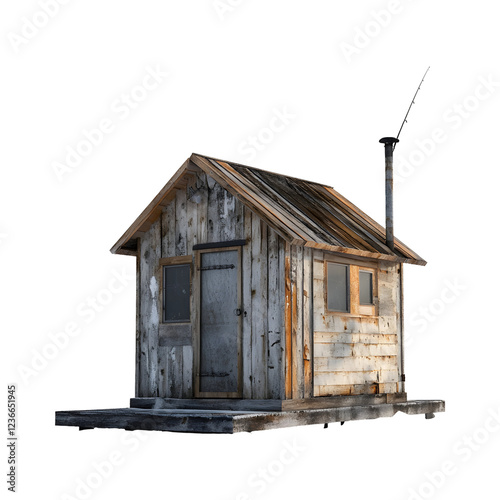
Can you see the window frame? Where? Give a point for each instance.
(370, 309)
(354, 267)
(185, 260)
(348, 286)
(372, 296)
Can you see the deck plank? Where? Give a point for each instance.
(229, 422)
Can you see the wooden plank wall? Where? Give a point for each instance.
(299, 327)
(166, 370)
(147, 357)
(358, 354)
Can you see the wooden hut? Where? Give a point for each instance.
(262, 301)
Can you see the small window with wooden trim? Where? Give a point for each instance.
(351, 289)
(338, 287)
(176, 276)
(365, 288)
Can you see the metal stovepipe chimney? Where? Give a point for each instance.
(389, 143)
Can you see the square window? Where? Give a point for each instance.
(176, 293)
(365, 288)
(338, 287)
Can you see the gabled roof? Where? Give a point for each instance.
(302, 212)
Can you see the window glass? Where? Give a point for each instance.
(176, 293)
(338, 287)
(365, 288)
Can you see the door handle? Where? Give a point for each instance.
(238, 312)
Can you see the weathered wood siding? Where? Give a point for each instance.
(149, 315)
(355, 354)
(165, 359)
(299, 326)
(292, 348)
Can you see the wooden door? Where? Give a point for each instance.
(219, 346)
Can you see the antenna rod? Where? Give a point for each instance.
(411, 104)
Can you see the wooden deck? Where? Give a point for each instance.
(231, 421)
(266, 405)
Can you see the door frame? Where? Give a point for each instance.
(197, 326)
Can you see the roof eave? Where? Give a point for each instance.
(364, 253)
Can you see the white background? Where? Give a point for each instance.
(230, 69)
